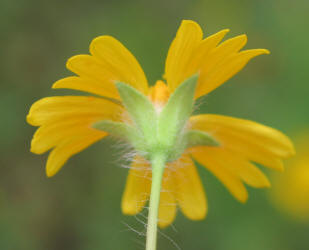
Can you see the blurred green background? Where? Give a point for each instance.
(80, 207)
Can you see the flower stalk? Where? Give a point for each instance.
(158, 165)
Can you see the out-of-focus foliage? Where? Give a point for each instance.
(79, 208)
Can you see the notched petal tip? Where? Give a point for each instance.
(198, 215)
(243, 200)
(242, 37)
(188, 26)
(266, 51)
(255, 52)
(189, 22)
(290, 145)
(286, 142)
(164, 224)
(233, 44)
(219, 35)
(128, 209)
(263, 51)
(35, 148)
(73, 60)
(225, 31)
(98, 40)
(50, 173)
(30, 120)
(52, 170)
(60, 83)
(31, 117)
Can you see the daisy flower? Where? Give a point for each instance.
(157, 122)
(290, 192)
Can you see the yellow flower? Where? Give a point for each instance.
(65, 123)
(290, 192)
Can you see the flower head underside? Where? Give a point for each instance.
(228, 147)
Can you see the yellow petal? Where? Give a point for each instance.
(242, 168)
(52, 134)
(59, 156)
(94, 73)
(222, 53)
(254, 141)
(55, 108)
(118, 62)
(189, 54)
(89, 85)
(167, 206)
(202, 51)
(257, 156)
(220, 68)
(137, 188)
(190, 192)
(231, 45)
(228, 178)
(66, 125)
(188, 37)
(238, 143)
(256, 131)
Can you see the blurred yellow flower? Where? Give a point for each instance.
(290, 192)
(65, 122)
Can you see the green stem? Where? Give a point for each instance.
(157, 164)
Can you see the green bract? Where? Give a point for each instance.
(199, 138)
(154, 133)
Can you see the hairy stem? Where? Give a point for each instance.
(158, 164)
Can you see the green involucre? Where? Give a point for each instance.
(163, 133)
